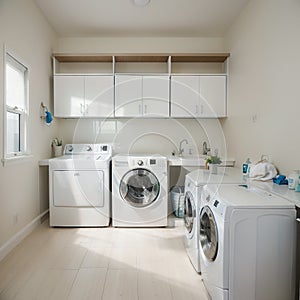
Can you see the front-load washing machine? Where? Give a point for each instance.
(139, 191)
(247, 244)
(194, 183)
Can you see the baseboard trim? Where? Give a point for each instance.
(21, 235)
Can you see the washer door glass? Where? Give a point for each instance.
(208, 233)
(189, 213)
(139, 187)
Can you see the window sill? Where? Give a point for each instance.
(16, 159)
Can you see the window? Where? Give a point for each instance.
(16, 104)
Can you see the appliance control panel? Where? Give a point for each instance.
(147, 162)
(211, 198)
(89, 149)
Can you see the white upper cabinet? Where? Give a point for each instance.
(128, 96)
(200, 96)
(68, 96)
(83, 96)
(213, 95)
(156, 96)
(141, 96)
(139, 85)
(99, 96)
(184, 96)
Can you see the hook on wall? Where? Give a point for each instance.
(44, 109)
(46, 114)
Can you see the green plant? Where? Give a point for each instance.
(56, 142)
(213, 160)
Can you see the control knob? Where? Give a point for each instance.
(70, 148)
(140, 163)
(89, 148)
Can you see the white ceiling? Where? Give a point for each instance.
(161, 18)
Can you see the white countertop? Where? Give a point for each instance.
(185, 161)
(44, 162)
(279, 190)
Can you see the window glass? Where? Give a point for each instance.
(15, 87)
(13, 132)
(16, 82)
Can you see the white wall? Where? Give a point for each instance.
(139, 45)
(161, 136)
(24, 30)
(264, 93)
(137, 135)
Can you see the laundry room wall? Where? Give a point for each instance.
(143, 135)
(139, 45)
(157, 136)
(264, 89)
(24, 31)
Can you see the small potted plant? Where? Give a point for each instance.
(213, 162)
(57, 146)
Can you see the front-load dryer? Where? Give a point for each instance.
(247, 244)
(79, 186)
(194, 183)
(139, 191)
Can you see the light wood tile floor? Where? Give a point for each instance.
(100, 263)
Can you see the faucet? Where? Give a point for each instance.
(205, 148)
(180, 150)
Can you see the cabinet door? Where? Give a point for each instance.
(128, 96)
(78, 188)
(213, 96)
(68, 96)
(184, 96)
(99, 101)
(156, 96)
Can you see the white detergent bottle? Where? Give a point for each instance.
(293, 179)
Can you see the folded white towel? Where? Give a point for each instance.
(263, 171)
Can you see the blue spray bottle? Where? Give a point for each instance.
(246, 166)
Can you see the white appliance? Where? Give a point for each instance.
(247, 244)
(194, 183)
(139, 191)
(79, 186)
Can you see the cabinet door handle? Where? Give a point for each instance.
(145, 108)
(197, 109)
(81, 108)
(87, 108)
(140, 109)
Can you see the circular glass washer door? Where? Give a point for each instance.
(208, 233)
(139, 187)
(189, 214)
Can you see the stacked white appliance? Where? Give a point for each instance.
(247, 244)
(79, 186)
(139, 191)
(194, 183)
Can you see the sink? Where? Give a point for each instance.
(187, 160)
(196, 161)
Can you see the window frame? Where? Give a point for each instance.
(10, 57)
